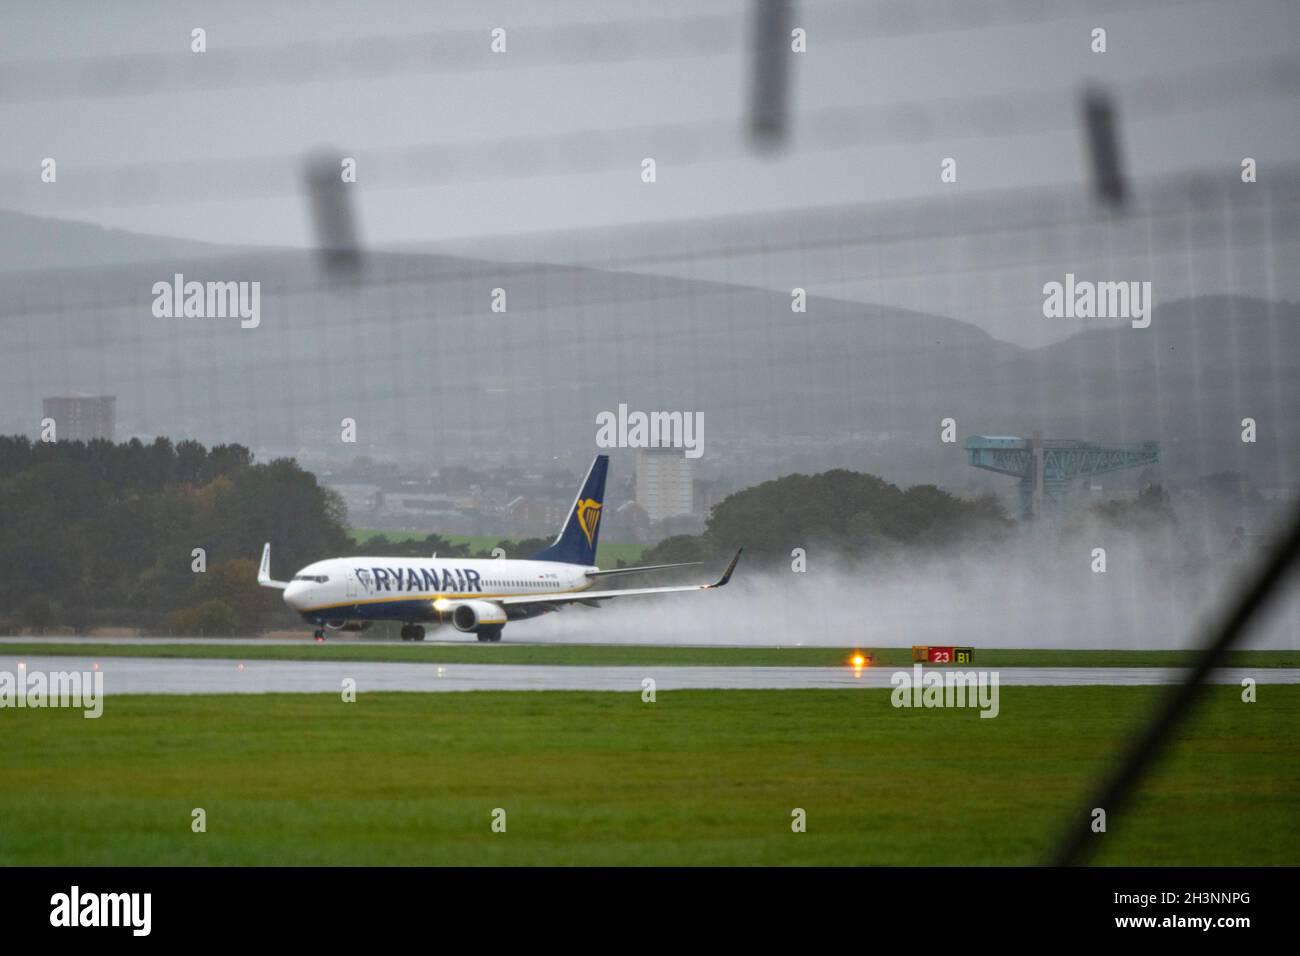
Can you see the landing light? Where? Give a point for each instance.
(858, 661)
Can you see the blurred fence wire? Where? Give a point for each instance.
(1115, 794)
(574, 43)
(578, 152)
(918, 310)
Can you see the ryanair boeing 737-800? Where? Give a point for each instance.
(474, 595)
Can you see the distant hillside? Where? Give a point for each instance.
(32, 242)
(415, 355)
(1188, 380)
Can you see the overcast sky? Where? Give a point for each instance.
(220, 159)
(496, 101)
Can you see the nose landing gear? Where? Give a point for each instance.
(319, 635)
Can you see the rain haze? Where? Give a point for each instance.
(502, 272)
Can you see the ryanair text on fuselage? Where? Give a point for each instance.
(454, 580)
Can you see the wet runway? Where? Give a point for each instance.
(125, 675)
(449, 638)
(302, 640)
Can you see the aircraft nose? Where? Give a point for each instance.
(294, 594)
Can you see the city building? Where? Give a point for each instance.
(665, 485)
(79, 417)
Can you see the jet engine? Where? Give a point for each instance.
(471, 615)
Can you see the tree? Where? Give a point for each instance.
(852, 513)
(209, 619)
(35, 613)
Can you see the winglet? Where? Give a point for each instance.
(264, 571)
(726, 575)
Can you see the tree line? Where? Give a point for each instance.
(163, 536)
(166, 536)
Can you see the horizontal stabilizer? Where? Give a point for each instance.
(647, 567)
(584, 597)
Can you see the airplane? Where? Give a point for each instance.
(474, 595)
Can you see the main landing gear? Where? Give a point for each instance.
(319, 635)
(412, 632)
(491, 634)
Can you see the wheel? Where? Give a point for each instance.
(319, 635)
(417, 632)
(489, 634)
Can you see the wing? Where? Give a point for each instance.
(583, 597)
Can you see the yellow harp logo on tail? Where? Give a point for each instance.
(589, 518)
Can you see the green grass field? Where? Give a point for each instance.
(698, 777)
(471, 652)
(608, 554)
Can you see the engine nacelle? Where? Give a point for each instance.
(471, 615)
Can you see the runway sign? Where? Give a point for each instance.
(942, 655)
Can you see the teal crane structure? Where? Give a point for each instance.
(1047, 466)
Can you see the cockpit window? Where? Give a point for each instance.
(318, 578)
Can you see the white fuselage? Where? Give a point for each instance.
(421, 589)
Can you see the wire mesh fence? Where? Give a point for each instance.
(1111, 309)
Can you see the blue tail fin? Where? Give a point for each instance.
(576, 543)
